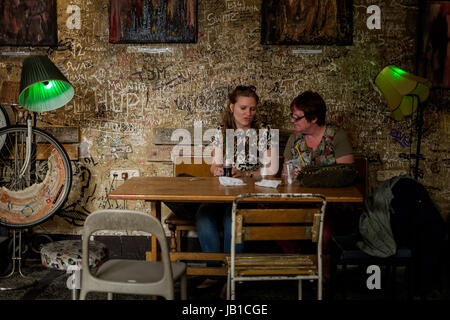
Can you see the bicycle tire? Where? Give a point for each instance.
(4, 122)
(28, 201)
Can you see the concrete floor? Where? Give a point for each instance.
(52, 284)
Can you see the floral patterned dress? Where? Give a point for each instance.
(324, 154)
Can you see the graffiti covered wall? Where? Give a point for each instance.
(125, 91)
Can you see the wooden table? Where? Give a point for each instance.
(187, 189)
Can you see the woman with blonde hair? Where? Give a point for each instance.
(241, 113)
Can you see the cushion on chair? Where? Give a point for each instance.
(348, 250)
(61, 254)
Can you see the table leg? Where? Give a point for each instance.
(155, 207)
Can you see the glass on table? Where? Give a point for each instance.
(289, 174)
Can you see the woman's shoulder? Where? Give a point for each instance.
(339, 133)
(335, 128)
(293, 137)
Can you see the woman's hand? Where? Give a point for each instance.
(218, 171)
(235, 173)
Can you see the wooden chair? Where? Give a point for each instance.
(179, 227)
(346, 215)
(344, 252)
(362, 166)
(294, 216)
(346, 220)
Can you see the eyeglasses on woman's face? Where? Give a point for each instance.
(296, 118)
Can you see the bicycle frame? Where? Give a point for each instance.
(28, 148)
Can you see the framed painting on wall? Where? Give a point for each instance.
(28, 23)
(434, 44)
(287, 22)
(152, 21)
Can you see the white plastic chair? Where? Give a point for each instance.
(130, 276)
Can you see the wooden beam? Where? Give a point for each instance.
(43, 151)
(63, 134)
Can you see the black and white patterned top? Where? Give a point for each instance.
(249, 146)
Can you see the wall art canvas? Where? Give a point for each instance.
(28, 23)
(152, 21)
(294, 22)
(434, 56)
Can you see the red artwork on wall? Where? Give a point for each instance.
(327, 22)
(28, 23)
(434, 58)
(152, 21)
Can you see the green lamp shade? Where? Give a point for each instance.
(403, 91)
(42, 86)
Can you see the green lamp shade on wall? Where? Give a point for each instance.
(403, 91)
(42, 86)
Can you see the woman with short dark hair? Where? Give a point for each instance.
(314, 140)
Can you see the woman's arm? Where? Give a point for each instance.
(346, 159)
(343, 148)
(217, 162)
(271, 169)
(271, 158)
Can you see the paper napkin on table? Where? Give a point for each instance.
(227, 181)
(268, 183)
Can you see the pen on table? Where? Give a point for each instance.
(300, 155)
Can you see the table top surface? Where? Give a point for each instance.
(209, 189)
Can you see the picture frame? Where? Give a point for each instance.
(153, 21)
(28, 23)
(301, 22)
(433, 60)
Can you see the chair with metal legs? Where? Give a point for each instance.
(17, 259)
(268, 217)
(65, 255)
(127, 276)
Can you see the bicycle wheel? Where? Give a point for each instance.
(33, 197)
(4, 122)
